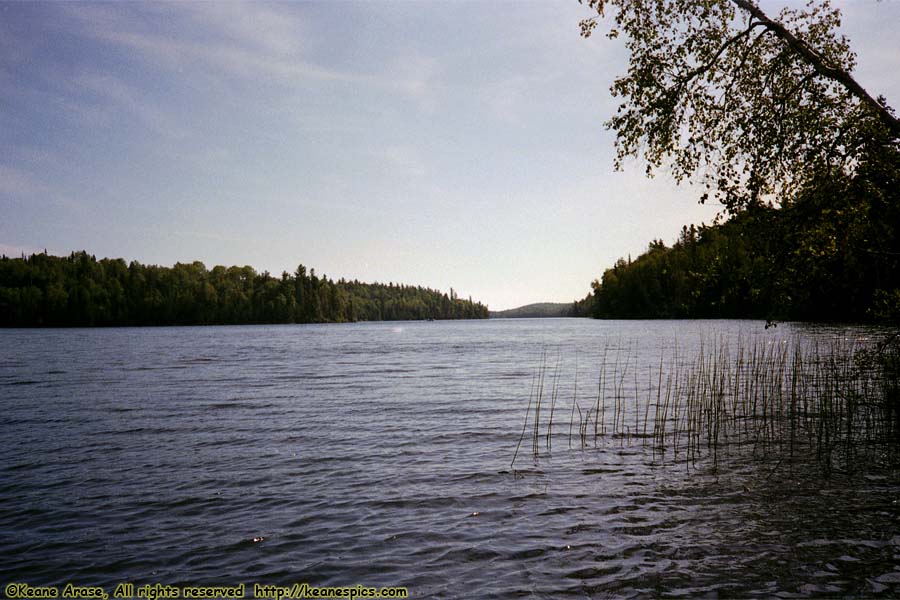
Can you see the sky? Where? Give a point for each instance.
(427, 143)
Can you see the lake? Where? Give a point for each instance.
(380, 454)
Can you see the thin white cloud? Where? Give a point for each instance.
(123, 97)
(24, 187)
(417, 76)
(248, 41)
(250, 23)
(508, 99)
(20, 183)
(405, 160)
(227, 58)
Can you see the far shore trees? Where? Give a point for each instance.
(79, 290)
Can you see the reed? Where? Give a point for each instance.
(779, 398)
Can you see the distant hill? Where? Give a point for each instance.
(540, 309)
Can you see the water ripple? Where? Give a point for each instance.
(348, 454)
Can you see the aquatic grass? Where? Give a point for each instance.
(525, 424)
(553, 396)
(574, 402)
(838, 400)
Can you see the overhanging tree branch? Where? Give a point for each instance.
(824, 69)
(706, 67)
(755, 107)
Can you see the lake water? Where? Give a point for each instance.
(380, 454)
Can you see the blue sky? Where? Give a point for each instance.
(439, 144)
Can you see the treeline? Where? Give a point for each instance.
(79, 290)
(832, 253)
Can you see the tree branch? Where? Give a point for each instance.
(822, 68)
(685, 79)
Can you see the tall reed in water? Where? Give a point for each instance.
(777, 398)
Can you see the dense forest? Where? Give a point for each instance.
(832, 253)
(79, 290)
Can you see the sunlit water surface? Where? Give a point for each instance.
(379, 454)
